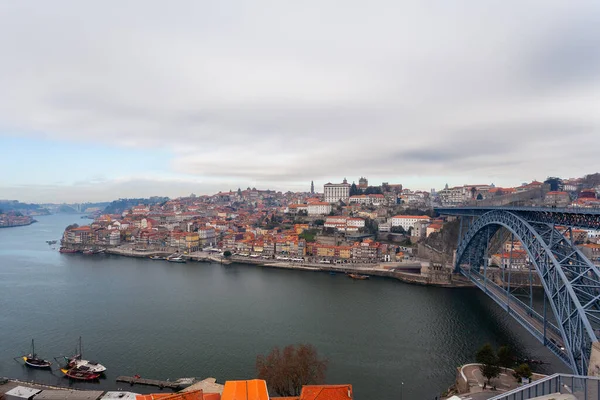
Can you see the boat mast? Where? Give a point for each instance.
(32, 349)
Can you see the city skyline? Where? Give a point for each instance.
(201, 97)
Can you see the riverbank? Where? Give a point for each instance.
(391, 270)
(15, 225)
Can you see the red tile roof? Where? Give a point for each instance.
(326, 392)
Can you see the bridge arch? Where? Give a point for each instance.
(570, 281)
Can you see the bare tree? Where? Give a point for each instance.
(287, 370)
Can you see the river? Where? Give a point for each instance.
(164, 320)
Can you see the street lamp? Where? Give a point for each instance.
(401, 389)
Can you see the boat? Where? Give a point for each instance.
(81, 374)
(179, 259)
(88, 252)
(77, 362)
(51, 241)
(32, 360)
(65, 250)
(157, 258)
(358, 276)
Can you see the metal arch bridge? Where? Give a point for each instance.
(570, 281)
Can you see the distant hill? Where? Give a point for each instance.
(118, 206)
(23, 208)
(65, 209)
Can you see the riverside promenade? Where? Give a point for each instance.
(405, 271)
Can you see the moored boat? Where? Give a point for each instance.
(65, 250)
(179, 259)
(32, 360)
(77, 362)
(157, 258)
(80, 374)
(358, 276)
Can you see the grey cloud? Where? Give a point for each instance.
(276, 93)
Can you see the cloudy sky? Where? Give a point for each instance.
(108, 99)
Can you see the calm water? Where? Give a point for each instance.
(163, 320)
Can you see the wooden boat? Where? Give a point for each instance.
(80, 374)
(77, 362)
(32, 360)
(358, 276)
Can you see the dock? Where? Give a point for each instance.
(150, 382)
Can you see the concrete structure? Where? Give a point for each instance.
(21, 393)
(334, 192)
(69, 395)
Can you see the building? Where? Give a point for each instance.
(408, 221)
(318, 208)
(334, 192)
(363, 183)
(557, 199)
(367, 199)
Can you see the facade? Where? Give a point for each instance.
(363, 183)
(408, 221)
(318, 208)
(367, 199)
(334, 192)
(557, 199)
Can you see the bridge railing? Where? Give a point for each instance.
(580, 387)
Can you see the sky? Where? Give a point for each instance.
(107, 99)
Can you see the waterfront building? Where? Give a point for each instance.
(334, 192)
(408, 221)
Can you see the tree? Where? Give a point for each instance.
(354, 190)
(373, 190)
(489, 362)
(522, 371)
(288, 370)
(319, 222)
(554, 182)
(227, 254)
(505, 357)
(397, 229)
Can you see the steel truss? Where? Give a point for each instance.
(571, 283)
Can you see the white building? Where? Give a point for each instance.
(335, 192)
(318, 208)
(367, 199)
(206, 233)
(408, 221)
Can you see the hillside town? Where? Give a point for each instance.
(12, 219)
(347, 223)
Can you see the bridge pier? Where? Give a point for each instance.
(594, 367)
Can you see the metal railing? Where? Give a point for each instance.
(580, 387)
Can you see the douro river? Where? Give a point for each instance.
(165, 320)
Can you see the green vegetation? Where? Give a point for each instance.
(227, 254)
(489, 362)
(287, 370)
(319, 222)
(309, 235)
(505, 357)
(522, 371)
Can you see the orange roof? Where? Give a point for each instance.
(152, 396)
(255, 389)
(326, 392)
